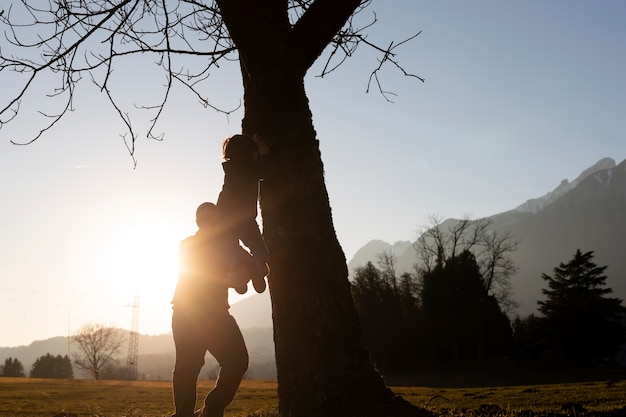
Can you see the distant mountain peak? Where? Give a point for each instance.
(601, 165)
(535, 205)
(377, 247)
(373, 248)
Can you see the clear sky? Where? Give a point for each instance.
(518, 96)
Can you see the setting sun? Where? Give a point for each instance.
(141, 260)
(144, 256)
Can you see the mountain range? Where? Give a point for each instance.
(588, 213)
(156, 352)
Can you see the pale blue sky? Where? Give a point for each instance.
(518, 96)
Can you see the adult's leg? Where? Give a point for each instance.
(189, 360)
(226, 344)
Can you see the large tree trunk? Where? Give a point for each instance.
(323, 366)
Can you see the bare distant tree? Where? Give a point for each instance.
(387, 263)
(497, 267)
(98, 346)
(440, 241)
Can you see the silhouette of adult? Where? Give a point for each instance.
(201, 320)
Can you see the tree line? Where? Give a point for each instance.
(47, 366)
(97, 347)
(457, 304)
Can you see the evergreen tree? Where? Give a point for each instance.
(462, 320)
(12, 367)
(577, 317)
(408, 297)
(526, 340)
(49, 366)
(380, 315)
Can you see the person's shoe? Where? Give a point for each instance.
(196, 413)
(259, 284)
(258, 280)
(206, 413)
(238, 279)
(241, 289)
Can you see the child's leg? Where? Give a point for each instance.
(238, 277)
(238, 272)
(258, 271)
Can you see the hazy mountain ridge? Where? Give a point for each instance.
(534, 205)
(373, 248)
(588, 213)
(590, 217)
(157, 352)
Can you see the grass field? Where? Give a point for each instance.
(82, 398)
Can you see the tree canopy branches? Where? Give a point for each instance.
(73, 40)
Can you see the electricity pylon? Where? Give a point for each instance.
(133, 341)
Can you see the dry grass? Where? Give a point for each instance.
(82, 398)
(541, 399)
(34, 397)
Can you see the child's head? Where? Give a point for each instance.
(240, 147)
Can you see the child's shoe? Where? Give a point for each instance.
(238, 278)
(258, 279)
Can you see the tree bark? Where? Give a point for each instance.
(322, 363)
(323, 366)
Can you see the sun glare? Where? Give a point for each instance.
(142, 260)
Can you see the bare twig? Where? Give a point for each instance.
(389, 56)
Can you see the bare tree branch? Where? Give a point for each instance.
(440, 241)
(71, 38)
(69, 29)
(389, 56)
(387, 263)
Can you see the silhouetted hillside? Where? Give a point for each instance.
(373, 248)
(29, 354)
(590, 217)
(253, 311)
(157, 353)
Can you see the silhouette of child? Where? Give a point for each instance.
(238, 204)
